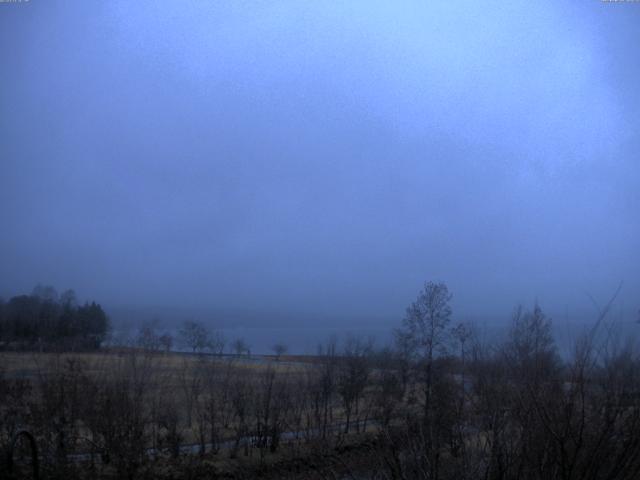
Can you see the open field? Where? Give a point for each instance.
(32, 364)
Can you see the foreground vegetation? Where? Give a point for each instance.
(441, 404)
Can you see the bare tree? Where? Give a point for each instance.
(241, 401)
(353, 376)
(191, 385)
(325, 384)
(270, 407)
(195, 336)
(217, 343)
(425, 330)
(118, 416)
(279, 349)
(166, 341)
(148, 338)
(240, 347)
(169, 424)
(389, 390)
(218, 410)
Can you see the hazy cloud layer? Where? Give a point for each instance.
(321, 160)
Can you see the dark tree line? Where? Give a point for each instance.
(46, 320)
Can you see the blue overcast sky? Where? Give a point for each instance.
(308, 159)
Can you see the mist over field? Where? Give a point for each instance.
(306, 167)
